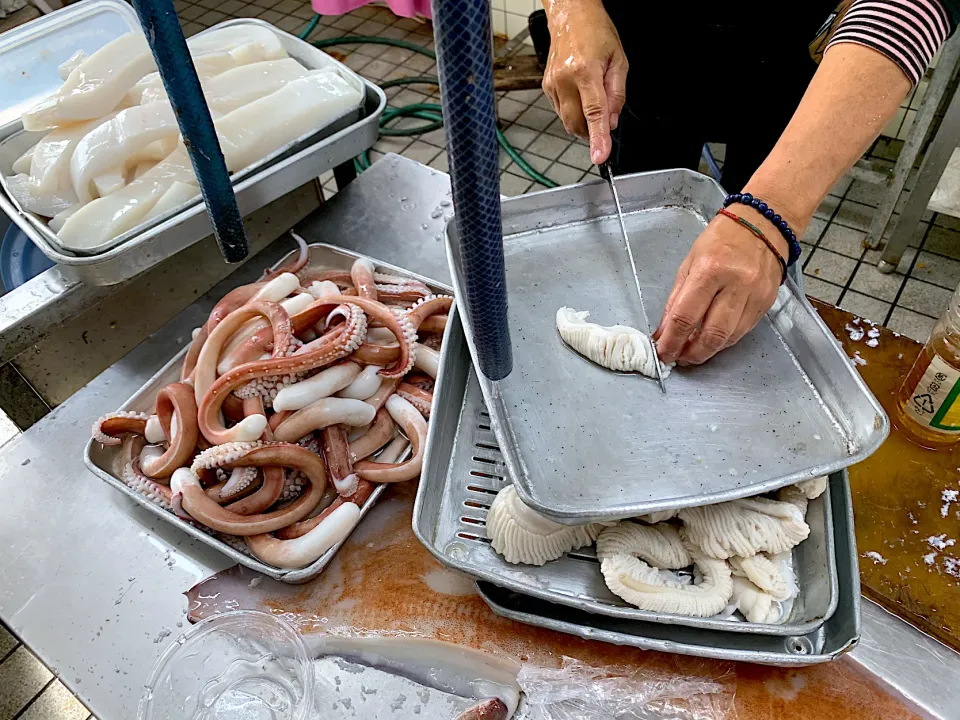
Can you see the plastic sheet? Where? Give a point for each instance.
(577, 691)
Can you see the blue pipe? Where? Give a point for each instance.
(169, 47)
(465, 63)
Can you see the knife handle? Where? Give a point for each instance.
(614, 160)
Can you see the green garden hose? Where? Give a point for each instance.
(432, 113)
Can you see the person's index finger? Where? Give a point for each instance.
(719, 324)
(684, 317)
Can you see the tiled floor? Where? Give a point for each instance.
(838, 269)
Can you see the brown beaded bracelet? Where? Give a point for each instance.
(759, 233)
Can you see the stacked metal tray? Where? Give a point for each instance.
(783, 405)
(89, 25)
(105, 461)
(464, 469)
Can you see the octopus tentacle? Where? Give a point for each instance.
(206, 370)
(175, 401)
(415, 428)
(108, 427)
(421, 399)
(359, 497)
(323, 413)
(426, 359)
(381, 431)
(134, 478)
(236, 298)
(274, 476)
(362, 275)
(381, 355)
(257, 454)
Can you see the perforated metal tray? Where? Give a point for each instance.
(837, 636)
(463, 470)
(583, 443)
(105, 462)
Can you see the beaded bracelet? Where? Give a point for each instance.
(759, 233)
(768, 212)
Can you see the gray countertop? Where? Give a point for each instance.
(94, 585)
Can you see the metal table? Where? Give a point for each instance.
(93, 585)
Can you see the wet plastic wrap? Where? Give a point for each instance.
(576, 691)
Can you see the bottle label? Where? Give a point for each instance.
(936, 401)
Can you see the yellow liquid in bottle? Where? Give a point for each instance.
(928, 402)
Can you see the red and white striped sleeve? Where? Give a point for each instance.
(909, 32)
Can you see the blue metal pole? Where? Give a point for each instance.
(465, 65)
(162, 28)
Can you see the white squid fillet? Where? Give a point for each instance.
(813, 488)
(96, 85)
(523, 535)
(246, 135)
(772, 574)
(21, 166)
(70, 64)
(302, 551)
(744, 527)
(32, 198)
(658, 545)
(57, 221)
(617, 347)
(109, 181)
(177, 195)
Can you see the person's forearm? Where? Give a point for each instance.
(853, 95)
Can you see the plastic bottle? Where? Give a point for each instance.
(928, 402)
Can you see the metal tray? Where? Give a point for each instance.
(837, 636)
(463, 470)
(104, 462)
(147, 245)
(14, 144)
(584, 443)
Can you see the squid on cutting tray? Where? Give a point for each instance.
(617, 347)
(290, 410)
(740, 552)
(113, 157)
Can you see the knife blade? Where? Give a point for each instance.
(633, 267)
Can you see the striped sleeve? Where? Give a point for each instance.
(909, 32)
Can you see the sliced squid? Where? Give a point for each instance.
(756, 605)
(95, 86)
(109, 181)
(246, 135)
(177, 195)
(21, 166)
(745, 527)
(616, 347)
(68, 65)
(772, 574)
(659, 545)
(813, 488)
(523, 535)
(32, 197)
(650, 588)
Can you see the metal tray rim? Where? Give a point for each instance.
(297, 576)
(593, 606)
(508, 443)
(762, 657)
(192, 207)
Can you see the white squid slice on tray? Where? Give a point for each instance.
(95, 86)
(616, 347)
(813, 488)
(246, 135)
(21, 166)
(772, 574)
(658, 545)
(177, 195)
(109, 181)
(657, 590)
(33, 198)
(70, 64)
(745, 527)
(57, 221)
(522, 535)
(756, 605)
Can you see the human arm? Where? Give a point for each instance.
(730, 279)
(586, 74)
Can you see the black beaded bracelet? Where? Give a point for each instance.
(768, 212)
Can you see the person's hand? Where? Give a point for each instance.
(723, 287)
(586, 74)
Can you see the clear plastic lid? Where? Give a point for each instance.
(241, 665)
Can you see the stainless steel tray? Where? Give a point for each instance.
(255, 187)
(838, 635)
(104, 462)
(463, 470)
(583, 443)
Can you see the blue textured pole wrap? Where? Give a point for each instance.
(162, 28)
(465, 63)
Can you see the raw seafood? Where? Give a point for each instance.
(616, 347)
(745, 527)
(237, 477)
(651, 589)
(772, 574)
(813, 488)
(522, 535)
(658, 545)
(756, 605)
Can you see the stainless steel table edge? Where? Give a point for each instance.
(508, 440)
(139, 400)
